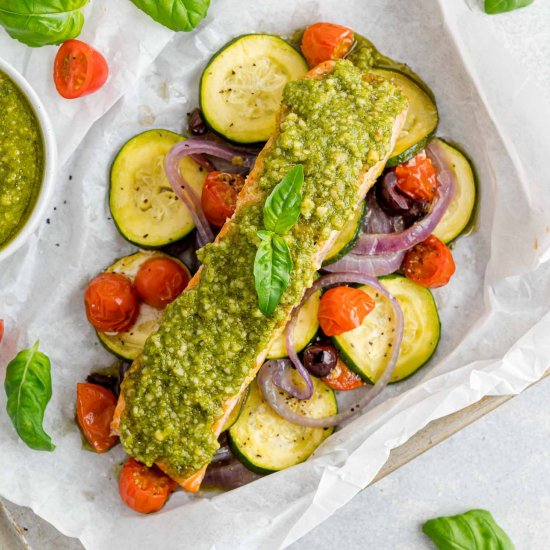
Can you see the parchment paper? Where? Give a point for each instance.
(495, 313)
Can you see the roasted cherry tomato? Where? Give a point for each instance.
(78, 69)
(429, 263)
(219, 196)
(342, 379)
(95, 407)
(144, 489)
(343, 308)
(324, 41)
(111, 302)
(416, 178)
(160, 281)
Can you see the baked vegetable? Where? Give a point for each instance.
(461, 209)
(145, 209)
(128, 344)
(242, 86)
(366, 349)
(265, 442)
(422, 118)
(348, 236)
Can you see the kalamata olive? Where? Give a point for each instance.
(320, 359)
(105, 380)
(196, 124)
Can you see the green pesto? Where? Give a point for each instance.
(21, 159)
(211, 335)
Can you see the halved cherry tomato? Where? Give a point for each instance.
(417, 178)
(324, 41)
(342, 379)
(429, 263)
(79, 69)
(219, 196)
(95, 408)
(160, 281)
(343, 308)
(111, 302)
(1, 330)
(144, 489)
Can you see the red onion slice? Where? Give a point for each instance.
(267, 373)
(384, 243)
(375, 266)
(195, 148)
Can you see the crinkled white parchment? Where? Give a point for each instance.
(495, 313)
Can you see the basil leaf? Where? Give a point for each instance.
(41, 22)
(501, 6)
(474, 529)
(282, 207)
(28, 386)
(178, 15)
(272, 268)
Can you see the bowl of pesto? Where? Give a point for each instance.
(28, 156)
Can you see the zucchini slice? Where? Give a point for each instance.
(460, 211)
(265, 442)
(242, 86)
(144, 208)
(305, 330)
(237, 410)
(367, 348)
(348, 236)
(421, 122)
(128, 345)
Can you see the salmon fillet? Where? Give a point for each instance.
(252, 194)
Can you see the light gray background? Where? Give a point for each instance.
(500, 463)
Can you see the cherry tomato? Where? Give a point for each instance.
(429, 263)
(95, 408)
(324, 41)
(78, 69)
(144, 489)
(160, 281)
(417, 178)
(111, 302)
(1, 330)
(343, 308)
(321, 70)
(342, 379)
(219, 196)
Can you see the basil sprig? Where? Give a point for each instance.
(178, 15)
(473, 529)
(273, 263)
(501, 6)
(28, 386)
(42, 22)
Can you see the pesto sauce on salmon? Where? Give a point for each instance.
(21, 159)
(211, 335)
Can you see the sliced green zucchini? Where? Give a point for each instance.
(366, 56)
(265, 442)
(242, 86)
(421, 122)
(305, 330)
(145, 209)
(348, 236)
(367, 348)
(128, 345)
(236, 412)
(460, 211)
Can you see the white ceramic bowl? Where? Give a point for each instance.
(50, 163)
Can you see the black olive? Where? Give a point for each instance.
(105, 380)
(196, 124)
(320, 359)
